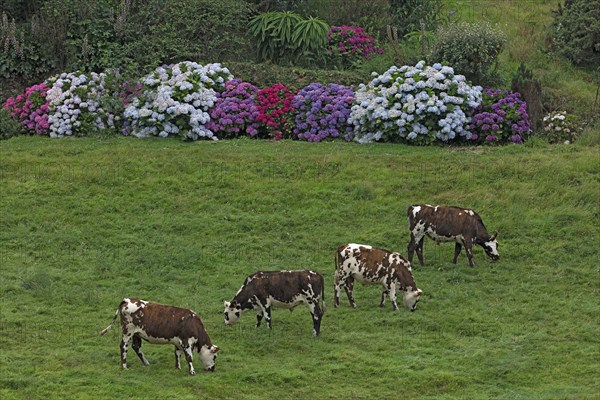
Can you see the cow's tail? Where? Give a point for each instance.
(109, 327)
(323, 307)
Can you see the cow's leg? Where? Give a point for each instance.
(259, 317)
(316, 313)
(268, 316)
(137, 347)
(469, 250)
(124, 345)
(177, 356)
(383, 294)
(457, 249)
(392, 293)
(187, 351)
(349, 287)
(412, 245)
(420, 251)
(336, 289)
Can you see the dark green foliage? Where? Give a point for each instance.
(373, 15)
(9, 126)
(577, 31)
(265, 75)
(284, 37)
(204, 31)
(531, 91)
(415, 15)
(472, 49)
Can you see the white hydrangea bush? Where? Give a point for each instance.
(417, 104)
(176, 100)
(75, 104)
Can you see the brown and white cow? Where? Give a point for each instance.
(369, 265)
(162, 324)
(449, 224)
(283, 289)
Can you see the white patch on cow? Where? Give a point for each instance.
(208, 357)
(296, 300)
(493, 246)
(416, 210)
(435, 208)
(440, 238)
(470, 212)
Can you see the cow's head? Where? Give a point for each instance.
(411, 298)
(491, 247)
(208, 357)
(233, 311)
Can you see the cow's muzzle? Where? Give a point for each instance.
(211, 369)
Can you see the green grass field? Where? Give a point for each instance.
(86, 222)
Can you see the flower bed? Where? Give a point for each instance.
(500, 118)
(352, 44)
(275, 111)
(235, 111)
(176, 101)
(417, 104)
(30, 108)
(322, 111)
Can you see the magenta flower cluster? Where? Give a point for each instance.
(500, 118)
(352, 43)
(235, 111)
(30, 108)
(322, 111)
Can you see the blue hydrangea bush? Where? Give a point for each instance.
(414, 104)
(176, 101)
(75, 104)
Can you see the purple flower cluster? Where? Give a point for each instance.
(500, 118)
(322, 111)
(352, 43)
(235, 111)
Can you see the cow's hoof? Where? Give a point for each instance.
(192, 372)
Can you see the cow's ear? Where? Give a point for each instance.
(494, 236)
(226, 304)
(214, 349)
(419, 292)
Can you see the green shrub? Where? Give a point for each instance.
(164, 32)
(577, 31)
(415, 15)
(9, 126)
(287, 38)
(561, 127)
(472, 49)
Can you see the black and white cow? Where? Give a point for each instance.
(369, 265)
(449, 224)
(162, 324)
(283, 289)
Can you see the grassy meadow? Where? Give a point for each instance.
(86, 222)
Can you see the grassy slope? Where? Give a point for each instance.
(86, 222)
(527, 24)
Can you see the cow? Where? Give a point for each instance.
(370, 265)
(283, 289)
(162, 324)
(449, 224)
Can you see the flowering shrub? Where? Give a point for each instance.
(275, 111)
(500, 118)
(74, 104)
(414, 104)
(322, 111)
(235, 110)
(352, 43)
(176, 101)
(561, 127)
(30, 108)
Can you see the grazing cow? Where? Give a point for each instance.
(367, 264)
(285, 289)
(449, 224)
(162, 324)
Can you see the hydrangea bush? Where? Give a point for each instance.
(500, 118)
(322, 111)
(417, 104)
(74, 101)
(30, 108)
(561, 127)
(275, 111)
(235, 111)
(352, 43)
(176, 101)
